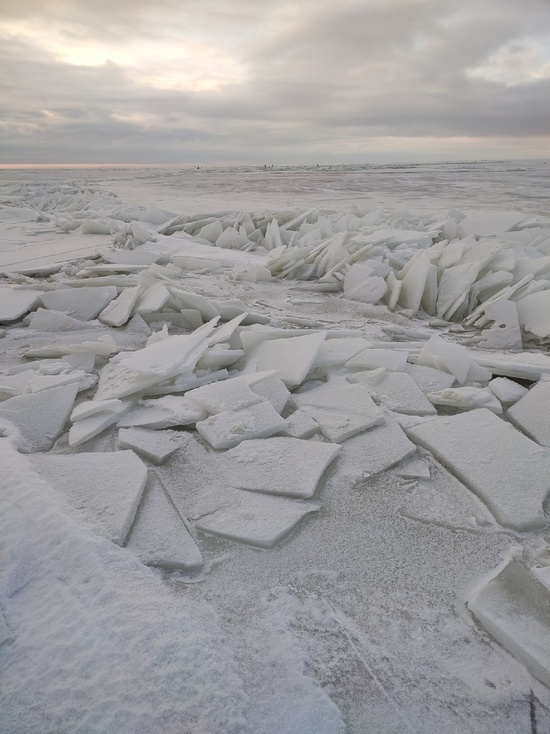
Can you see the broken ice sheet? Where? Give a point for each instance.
(467, 398)
(531, 414)
(165, 412)
(255, 519)
(159, 536)
(226, 395)
(16, 303)
(105, 488)
(395, 391)
(507, 470)
(80, 303)
(445, 501)
(292, 356)
(155, 446)
(225, 430)
(514, 607)
(40, 417)
(285, 466)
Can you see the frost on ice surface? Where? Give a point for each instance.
(41, 416)
(395, 391)
(371, 359)
(171, 410)
(507, 470)
(256, 519)
(159, 536)
(285, 466)
(5, 634)
(507, 391)
(227, 395)
(293, 357)
(467, 398)
(105, 487)
(514, 607)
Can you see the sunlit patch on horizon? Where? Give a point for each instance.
(178, 64)
(520, 62)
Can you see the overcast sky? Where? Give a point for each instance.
(269, 81)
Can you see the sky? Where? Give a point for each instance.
(273, 82)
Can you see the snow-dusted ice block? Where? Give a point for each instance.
(395, 391)
(336, 352)
(415, 468)
(80, 303)
(16, 303)
(158, 535)
(166, 357)
(92, 407)
(300, 425)
(453, 358)
(514, 607)
(342, 412)
(531, 414)
(467, 398)
(165, 412)
(375, 450)
(284, 466)
(487, 223)
(255, 519)
(293, 357)
(394, 360)
(429, 379)
(90, 427)
(105, 488)
(119, 310)
(534, 313)
(56, 321)
(41, 416)
(223, 396)
(269, 386)
(507, 391)
(225, 430)
(155, 446)
(507, 470)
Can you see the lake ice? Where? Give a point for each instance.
(274, 450)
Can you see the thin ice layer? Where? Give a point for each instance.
(256, 519)
(514, 607)
(284, 466)
(16, 303)
(155, 446)
(158, 535)
(80, 303)
(395, 391)
(105, 488)
(293, 357)
(507, 470)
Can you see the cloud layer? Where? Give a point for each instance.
(310, 81)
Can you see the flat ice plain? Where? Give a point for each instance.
(274, 450)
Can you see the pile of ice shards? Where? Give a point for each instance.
(126, 349)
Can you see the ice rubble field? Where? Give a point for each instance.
(272, 470)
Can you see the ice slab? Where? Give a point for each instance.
(155, 446)
(56, 321)
(152, 299)
(467, 398)
(300, 425)
(105, 488)
(487, 223)
(374, 451)
(165, 412)
(415, 468)
(87, 428)
(507, 470)
(256, 519)
(159, 536)
(505, 332)
(394, 360)
(40, 417)
(531, 414)
(223, 396)
(169, 356)
(119, 310)
(453, 358)
(454, 288)
(507, 391)
(336, 352)
(534, 313)
(283, 466)
(269, 387)
(225, 430)
(429, 379)
(340, 412)
(16, 303)
(416, 274)
(444, 501)
(514, 607)
(80, 303)
(92, 407)
(293, 357)
(395, 391)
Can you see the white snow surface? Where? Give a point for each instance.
(240, 604)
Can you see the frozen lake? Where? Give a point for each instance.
(325, 584)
